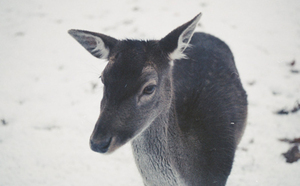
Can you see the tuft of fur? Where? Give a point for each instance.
(97, 44)
(184, 40)
(100, 49)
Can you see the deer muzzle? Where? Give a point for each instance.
(101, 146)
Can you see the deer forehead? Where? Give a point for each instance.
(134, 73)
(131, 60)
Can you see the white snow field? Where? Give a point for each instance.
(50, 92)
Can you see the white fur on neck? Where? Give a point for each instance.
(171, 63)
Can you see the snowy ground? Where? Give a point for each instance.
(50, 91)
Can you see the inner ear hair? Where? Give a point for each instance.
(178, 40)
(99, 45)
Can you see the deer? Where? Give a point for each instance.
(178, 100)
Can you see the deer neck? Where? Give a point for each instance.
(159, 131)
(152, 151)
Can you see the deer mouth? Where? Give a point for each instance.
(101, 146)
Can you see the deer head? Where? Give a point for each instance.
(137, 82)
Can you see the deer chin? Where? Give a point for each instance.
(106, 146)
(114, 145)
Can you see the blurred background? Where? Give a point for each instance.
(50, 92)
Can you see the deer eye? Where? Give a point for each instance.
(149, 89)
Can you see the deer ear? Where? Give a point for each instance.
(99, 45)
(178, 40)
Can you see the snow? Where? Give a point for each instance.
(50, 91)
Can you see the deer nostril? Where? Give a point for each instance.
(101, 146)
